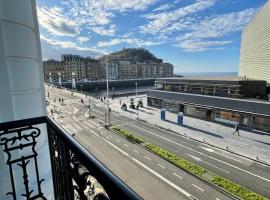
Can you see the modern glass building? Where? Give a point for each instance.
(255, 47)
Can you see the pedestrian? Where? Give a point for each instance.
(62, 100)
(236, 129)
(48, 94)
(120, 102)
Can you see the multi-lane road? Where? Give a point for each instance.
(147, 174)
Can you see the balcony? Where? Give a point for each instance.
(75, 172)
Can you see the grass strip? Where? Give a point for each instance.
(128, 136)
(182, 163)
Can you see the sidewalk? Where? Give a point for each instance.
(249, 144)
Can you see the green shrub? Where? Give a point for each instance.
(127, 135)
(173, 158)
(221, 182)
(236, 189)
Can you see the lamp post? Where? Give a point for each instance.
(73, 80)
(59, 79)
(136, 88)
(89, 108)
(108, 102)
(50, 78)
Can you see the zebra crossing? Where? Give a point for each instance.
(77, 126)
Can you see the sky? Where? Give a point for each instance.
(193, 35)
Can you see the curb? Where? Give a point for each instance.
(198, 177)
(258, 161)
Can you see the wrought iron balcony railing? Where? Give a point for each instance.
(76, 173)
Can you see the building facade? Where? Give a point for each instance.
(222, 101)
(255, 47)
(53, 68)
(92, 67)
(119, 68)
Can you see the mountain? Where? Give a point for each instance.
(139, 54)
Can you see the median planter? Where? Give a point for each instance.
(217, 181)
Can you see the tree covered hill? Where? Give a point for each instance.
(139, 54)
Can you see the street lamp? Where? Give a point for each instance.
(73, 80)
(59, 79)
(136, 88)
(50, 78)
(108, 102)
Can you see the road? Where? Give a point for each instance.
(248, 173)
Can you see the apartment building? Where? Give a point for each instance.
(92, 67)
(54, 68)
(74, 64)
(119, 68)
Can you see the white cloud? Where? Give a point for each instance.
(163, 7)
(69, 45)
(101, 30)
(199, 45)
(83, 39)
(93, 12)
(219, 26)
(132, 41)
(160, 21)
(199, 36)
(53, 20)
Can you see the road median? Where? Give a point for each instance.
(219, 182)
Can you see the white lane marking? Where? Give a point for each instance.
(149, 169)
(88, 124)
(135, 151)
(198, 187)
(124, 124)
(76, 127)
(147, 158)
(161, 166)
(212, 151)
(94, 133)
(204, 154)
(152, 171)
(84, 126)
(126, 145)
(178, 175)
(75, 110)
(118, 140)
(98, 111)
(217, 199)
(200, 160)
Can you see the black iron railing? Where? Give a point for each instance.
(77, 174)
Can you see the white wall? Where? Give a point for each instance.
(255, 47)
(21, 87)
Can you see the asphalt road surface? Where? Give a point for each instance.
(147, 174)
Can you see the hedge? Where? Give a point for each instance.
(184, 164)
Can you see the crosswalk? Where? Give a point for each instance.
(77, 126)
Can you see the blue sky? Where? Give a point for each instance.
(193, 35)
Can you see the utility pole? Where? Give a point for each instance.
(89, 108)
(108, 102)
(137, 101)
(136, 88)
